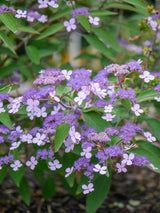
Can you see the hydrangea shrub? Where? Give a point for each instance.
(78, 122)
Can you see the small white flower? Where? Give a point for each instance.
(127, 159)
(88, 188)
(67, 74)
(55, 165)
(15, 145)
(69, 171)
(70, 25)
(94, 20)
(157, 99)
(86, 152)
(108, 108)
(121, 167)
(102, 170)
(108, 117)
(136, 109)
(16, 165)
(146, 76)
(149, 137)
(32, 163)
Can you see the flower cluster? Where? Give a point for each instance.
(5, 9)
(71, 24)
(64, 97)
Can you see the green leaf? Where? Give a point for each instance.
(62, 13)
(17, 175)
(155, 127)
(61, 133)
(94, 120)
(83, 20)
(33, 54)
(7, 41)
(27, 29)
(102, 13)
(96, 198)
(3, 173)
(51, 30)
(8, 69)
(107, 37)
(48, 189)
(9, 21)
(6, 51)
(125, 7)
(99, 45)
(5, 119)
(137, 3)
(24, 191)
(126, 103)
(150, 151)
(147, 95)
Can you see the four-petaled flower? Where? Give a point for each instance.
(88, 188)
(136, 109)
(86, 152)
(16, 165)
(70, 25)
(149, 137)
(32, 163)
(101, 169)
(121, 167)
(69, 171)
(127, 159)
(147, 76)
(55, 165)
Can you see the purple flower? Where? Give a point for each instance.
(121, 167)
(79, 11)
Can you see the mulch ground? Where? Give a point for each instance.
(138, 191)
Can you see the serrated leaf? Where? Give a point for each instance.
(17, 175)
(5, 119)
(83, 20)
(9, 21)
(3, 172)
(107, 37)
(99, 45)
(27, 29)
(24, 191)
(7, 41)
(48, 188)
(96, 198)
(94, 120)
(51, 30)
(33, 54)
(155, 127)
(61, 133)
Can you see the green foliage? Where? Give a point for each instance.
(48, 188)
(9, 21)
(5, 119)
(101, 188)
(7, 41)
(24, 190)
(17, 176)
(94, 120)
(61, 133)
